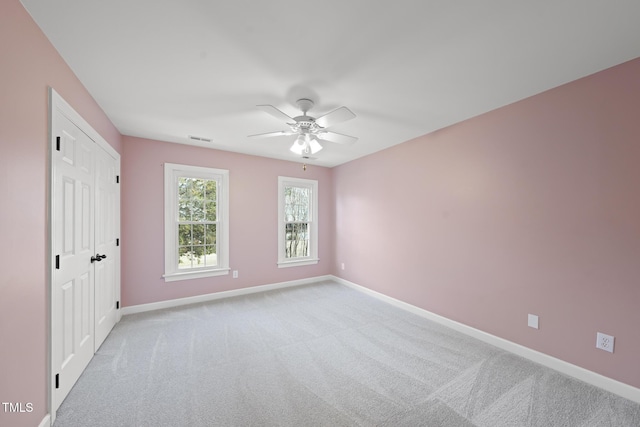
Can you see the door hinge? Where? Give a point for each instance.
(57, 262)
(117, 242)
(57, 380)
(117, 179)
(57, 143)
(117, 305)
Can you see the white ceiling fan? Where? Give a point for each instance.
(310, 130)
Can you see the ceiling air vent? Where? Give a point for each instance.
(199, 138)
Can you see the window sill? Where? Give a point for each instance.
(186, 275)
(306, 261)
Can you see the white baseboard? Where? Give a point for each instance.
(589, 377)
(219, 295)
(46, 421)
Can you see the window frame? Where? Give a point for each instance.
(311, 184)
(172, 172)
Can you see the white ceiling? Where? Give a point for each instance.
(165, 69)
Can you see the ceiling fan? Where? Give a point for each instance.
(310, 130)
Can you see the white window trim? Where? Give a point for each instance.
(171, 173)
(313, 244)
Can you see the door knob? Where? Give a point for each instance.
(98, 257)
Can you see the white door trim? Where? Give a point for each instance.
(58, 104)
(55, 100)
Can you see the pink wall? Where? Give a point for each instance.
(253, 188)
(532, 208)
(28, 65)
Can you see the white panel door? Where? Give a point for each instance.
(106, 271)
(73, 229)
(85, 224)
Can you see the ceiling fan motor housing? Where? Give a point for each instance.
(305, 104)
(305, 124)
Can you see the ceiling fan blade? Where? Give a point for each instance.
(339, 115)
(270, 109)
(338, 138)
(269, 134)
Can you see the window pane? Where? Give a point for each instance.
(211, 190)
(184, 188)
(184, 235)
(184, 199)
(210, 211)
(210, 256)
(184, 257)
(210, 234)
(197, 210)
(297, 203)
(197, 188)
(197, 234)
(296, 240)
(197, 256)
(184, 210)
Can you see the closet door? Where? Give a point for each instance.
(85, 227)
(73, 229)
(106, 271)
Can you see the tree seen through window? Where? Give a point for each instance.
(197, 222)
(297, 212)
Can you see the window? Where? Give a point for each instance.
(298, 222)
(196, 222)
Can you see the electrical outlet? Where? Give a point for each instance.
(342, 266)
(235, 274)
(532, 321)
(605, 342)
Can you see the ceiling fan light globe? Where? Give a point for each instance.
(297, 148)
(315, 146)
